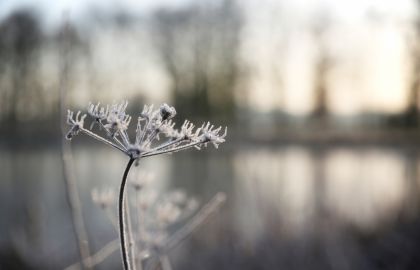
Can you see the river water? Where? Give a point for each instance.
(288, 207)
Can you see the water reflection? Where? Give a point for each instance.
(294, 187)
(274, 182)
(294, 205)
(365, 188)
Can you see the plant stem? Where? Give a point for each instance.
(71, 189)
(165, 263)
(121, 216)
(131, 242)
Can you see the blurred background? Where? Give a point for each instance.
(321, 98)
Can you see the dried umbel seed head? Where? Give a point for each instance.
(114, 121)
(103, 198)
(167, 112)
(134, 151)
(117, 119)
(147, 199)
(210, 135)
(191, 205)
(147, 112)
(98, 113)
(143, 180)
(167, 213)
(76, 124)
(187, 131)
(177, 197)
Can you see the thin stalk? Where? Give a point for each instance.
(111, 217)
(138, 131)
(71, 189)
(153, 135)
(131, 242)
(98, 257)
(99, 138)
(150, 138)
(121, 216)
(110, 136)
(206, 211)
(124, 136)
(176, 149)
(146, 127)
(139, 232)
(165, 263)
(73, 199)
(167, 144)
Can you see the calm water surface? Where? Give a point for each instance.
(288, 207)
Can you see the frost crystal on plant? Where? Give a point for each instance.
(155, 134)
(151, 125)
(76, 124)
(157, 212)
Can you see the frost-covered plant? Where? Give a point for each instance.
(159, 227)
(156, 213)
(152, 124)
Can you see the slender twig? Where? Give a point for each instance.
(71, 189)
(206, 211)
(111, 216)
(165, 263)
(75, 204)
(202, 216)
(121, 216)
(98, 257)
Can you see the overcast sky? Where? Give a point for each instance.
(51, 11)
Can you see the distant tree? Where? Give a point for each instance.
(198, 47)
(411, 115)
(322, 66)
(71, 47)
(20, 39)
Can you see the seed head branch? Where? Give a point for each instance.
(152, 124)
